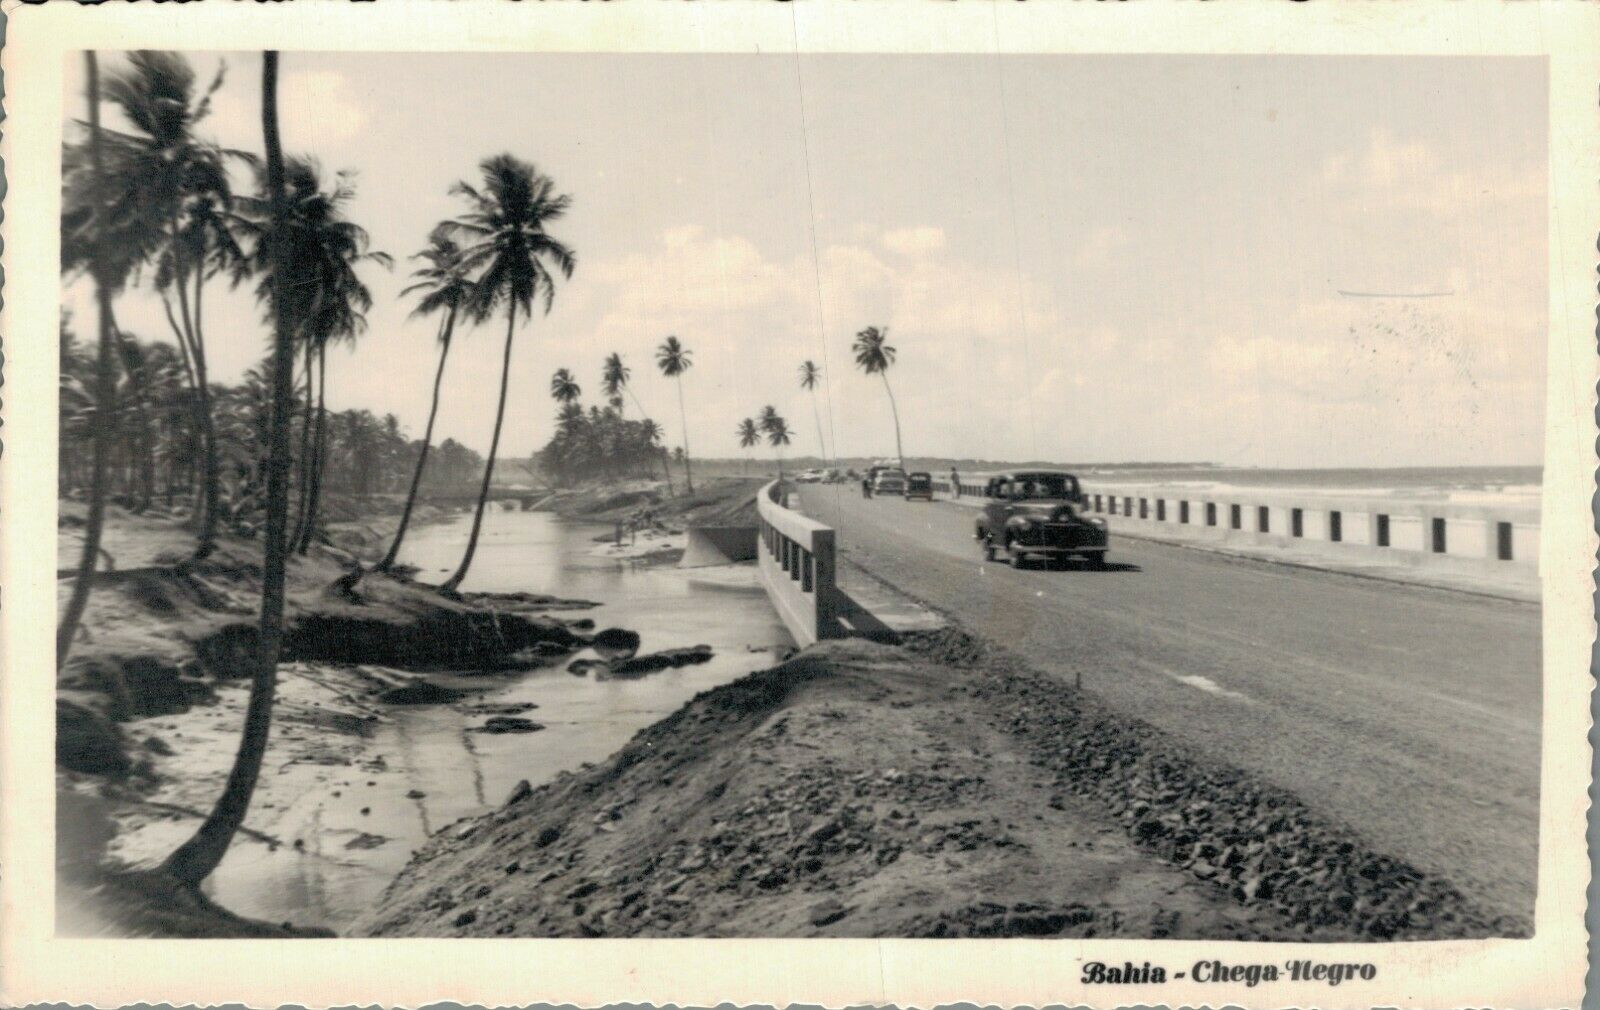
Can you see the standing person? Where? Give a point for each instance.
(955, 483)
(866, 485)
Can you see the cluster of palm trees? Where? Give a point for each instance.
(599, 442)
(153, 203)
(769, 424)
(873, 355)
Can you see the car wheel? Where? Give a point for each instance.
(1097, 561)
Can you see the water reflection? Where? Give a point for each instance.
(426, 768)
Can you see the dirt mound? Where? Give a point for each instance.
(848, 792)
(718, 501)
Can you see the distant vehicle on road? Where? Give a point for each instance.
(889, 480)
(1034, 513)
(808, 477)
(919, 485)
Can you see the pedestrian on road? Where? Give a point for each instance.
(866, 486)
(955, 483)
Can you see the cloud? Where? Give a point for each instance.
(317, 108)
(914, 241)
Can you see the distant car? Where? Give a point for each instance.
(1034, 513)
(919, 485)
(890, 480)
(809, 477)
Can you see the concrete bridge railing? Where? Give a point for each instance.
(795, 556)
(1424, 533)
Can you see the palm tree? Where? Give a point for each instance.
(443, 285)
(674, 359)
(504, 231)
(748, 437)
(874, 356)
(108, 266)
(653, 434)
(194, 860)
(614, 381)
(778, 437)
(564, 388)
(164, 196)
(810, 375)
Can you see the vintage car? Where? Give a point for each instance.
(919, 484)
(1034, 513)
(889, 480)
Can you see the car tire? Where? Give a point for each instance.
(1097, 561)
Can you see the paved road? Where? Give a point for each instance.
(1411, 714)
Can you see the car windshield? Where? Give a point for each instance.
(1044, 485)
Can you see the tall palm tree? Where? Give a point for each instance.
(564, 388)
(164, 197)
(748, 437)
(874, 356)
(674, 359)
(108, 265)
(653, 433)
(614, 381)
(443, 286)
(810, 375)
(778, 436)
(503, 234)
(194, 860)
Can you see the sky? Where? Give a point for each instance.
(1078, 258)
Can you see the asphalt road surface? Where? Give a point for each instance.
(1411, 714)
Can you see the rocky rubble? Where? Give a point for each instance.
(1258, 844)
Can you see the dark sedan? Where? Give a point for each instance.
(919, 485)
(1034, 513)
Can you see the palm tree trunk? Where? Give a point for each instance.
(105, 394)
(212, 474)
(899, 452)
(488, 466)
(304, 459)
(427, 441)
(194, 860)
(688, 469)
(319, 453)
(822, 446)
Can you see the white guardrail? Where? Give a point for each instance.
(1481, 537)
(795, 557)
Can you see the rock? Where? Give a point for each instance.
(664, 660)
(466, 918)
(156, 745)
(508, 724)
(616, 643)
(411, 794)
(547, 837)
(88, 742)
(521, 791)
(827, 912)
(420, 693)
(365, 840)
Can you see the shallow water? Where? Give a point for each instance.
(430, 750)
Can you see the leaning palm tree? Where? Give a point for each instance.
(193, 861)
(85, 221)
(564, 388)
(674, 359)
(748, 437)
(778, 436)
(504, 237)
(810, 375)
(874, 356)
(164, 198)
(444, 286)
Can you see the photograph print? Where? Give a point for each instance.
(696, 495)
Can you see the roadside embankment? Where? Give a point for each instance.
(936, 789)
(719, 501)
